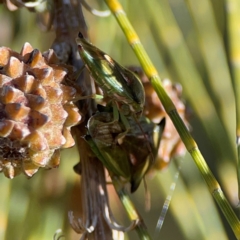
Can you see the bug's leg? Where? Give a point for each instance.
(93, 96)
(79, 72)
(125, 124)
(73, 81)
(118, 115)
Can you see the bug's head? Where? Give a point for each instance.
(86, 49)
(80, 41)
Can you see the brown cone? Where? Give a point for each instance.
(36, 110)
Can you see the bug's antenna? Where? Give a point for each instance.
(167, 202)
(147, 196)
(145, 136)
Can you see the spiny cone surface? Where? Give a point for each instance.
(171, 144)
(36, 110)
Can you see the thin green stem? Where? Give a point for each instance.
(185, 135)
(131, 210)
(182, 64)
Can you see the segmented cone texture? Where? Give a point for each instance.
(36, 111)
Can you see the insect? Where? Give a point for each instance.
(118, 83)
(124, 147)
(129, 159)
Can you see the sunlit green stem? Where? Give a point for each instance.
(131, 210)
(187, 73)
(185, 135)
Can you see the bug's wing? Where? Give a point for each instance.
(138, 153)
(114, 158)
(131, 83)
(117, 161)
(103, 133)
(137, 147)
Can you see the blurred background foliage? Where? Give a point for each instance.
(189, 43)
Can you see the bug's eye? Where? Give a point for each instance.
(80, 35)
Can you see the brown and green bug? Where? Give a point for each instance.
(129, 159)
(118, 83)
(125, 148)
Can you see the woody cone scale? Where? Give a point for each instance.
(36, 111)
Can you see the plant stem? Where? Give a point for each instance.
(170, 109)
(187, 73)
(131, 210)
